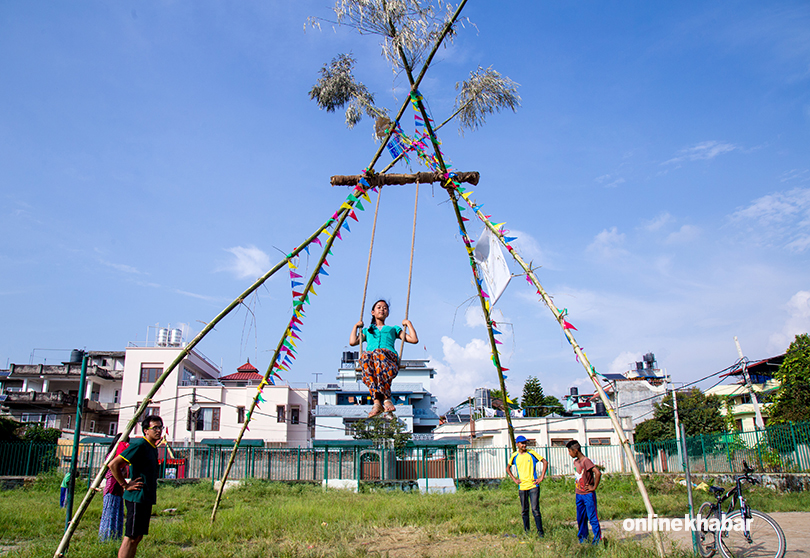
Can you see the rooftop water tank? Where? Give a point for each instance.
(76, 356)
(162, 337)
(176, 337)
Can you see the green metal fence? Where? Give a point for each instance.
(782, 448)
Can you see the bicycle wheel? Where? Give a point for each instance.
(765, 538)
(705, 538)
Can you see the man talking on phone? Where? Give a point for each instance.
(140, 493)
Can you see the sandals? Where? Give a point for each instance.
(389, 406)
(376, 409)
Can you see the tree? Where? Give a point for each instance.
(653, 430)
(378, 429)
(793, 400)
(552, 405)
(8, 430)
(36, 433)
(495, 394)
(407, 29)
(533, 397)
(698, 413)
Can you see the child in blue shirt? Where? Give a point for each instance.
(380, 362)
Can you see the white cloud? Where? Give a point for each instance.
(702, 152)
(248, 261)
(609, 180)
(798, 321)
(608, 244)
(474, 316)
(795, 174)
(121, 267)
(687, 233)
(658, 222)
(624, 362)
(462, 369)
(527, 246)
(781, 217)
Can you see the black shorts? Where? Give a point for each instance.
(137, 519)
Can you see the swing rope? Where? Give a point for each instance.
(410, 267)
(368, 268)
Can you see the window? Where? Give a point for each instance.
(150, 373)
(599, 442)
(117, 396)
(208, 418)
(50, 421)
(67, 421)
(295, 414)
(240, 415)
(150, 411)
(113, 429)
(559, 442)
(280, 416)
(31, 417)
(349, 427)
(92, 426)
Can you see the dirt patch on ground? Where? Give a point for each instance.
(408, 542)
(793, 524)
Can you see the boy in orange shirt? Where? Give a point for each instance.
(588, 477)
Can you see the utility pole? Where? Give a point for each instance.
(195, 408)
(77, 432)
(677, 418)
(758, 422)
(472, 421)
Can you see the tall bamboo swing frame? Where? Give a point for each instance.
(337, 220)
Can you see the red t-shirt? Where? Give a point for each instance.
(584, 476)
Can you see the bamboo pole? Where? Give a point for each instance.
(296, 312)
(559, 315)
(444, 171)
(91, 491)
(583, 359)
(368, 174)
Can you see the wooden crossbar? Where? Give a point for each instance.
(392, 179)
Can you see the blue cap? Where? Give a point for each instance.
(520, 439)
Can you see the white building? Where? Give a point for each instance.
(279, 421)
(342, 403)
(48, 393)
(549, 435)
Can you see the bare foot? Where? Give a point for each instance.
(389, 406)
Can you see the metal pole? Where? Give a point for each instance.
(678, 435)
(759, 423)
(688, 472)
(76, 435)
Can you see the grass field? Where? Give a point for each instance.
(264, 519)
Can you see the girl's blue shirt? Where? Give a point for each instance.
(381, 337)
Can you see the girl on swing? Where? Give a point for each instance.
(380, 362)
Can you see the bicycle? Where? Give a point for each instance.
(741, 533)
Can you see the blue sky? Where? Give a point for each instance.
(156, 157)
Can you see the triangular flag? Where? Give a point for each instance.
(346, 226)
(353, 216)
(317, 280)
(359, 206)
(317, 241)
(566, 325)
